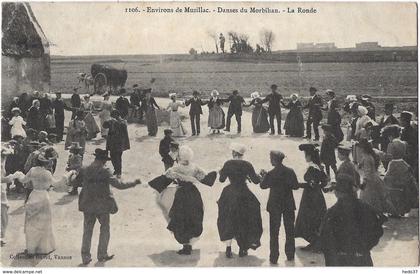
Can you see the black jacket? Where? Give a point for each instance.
(273, 100)
(122, 105)
(281, 181)
(235, 105)
(164, 149)
(314, 105)
(195, 105)
(75, 100)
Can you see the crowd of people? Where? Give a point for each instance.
(345, 233)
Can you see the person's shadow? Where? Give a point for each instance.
(170, 258)
(236, 261)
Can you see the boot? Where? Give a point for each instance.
(186, 250)
(243, 252)
(229, 252)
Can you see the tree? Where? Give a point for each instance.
(267, 38)
(213, 35)
(239, 42)
(193, 51)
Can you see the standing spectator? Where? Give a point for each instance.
(281, 181)
(59, 106)
(410, 135)
(122, 105)
(34, 118)
(333, 116)
(387, 120)
(347, 167)
(91, 126)
(274, 109)
(117, 140)
(222, 42)
(135, 102)
(365, 101)
(17, 124)
(328, 146)
(195, 112)
(235, 108)
(25, 102)
(350, 228)
(45, 110)
(76, 131)
(75, 102)
(315, 114)
(105, 114)
(151, 119)
(15, 104)
(97, 202)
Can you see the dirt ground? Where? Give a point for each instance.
(138, 231)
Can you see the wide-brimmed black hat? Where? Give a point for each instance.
(308, 147)
(101, 154)
(313, 89)
(391, 130)
(167, 131)
(389, 106)
(344, 148)
(195, 92)
(273, 86)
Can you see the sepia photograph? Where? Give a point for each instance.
(209, 134)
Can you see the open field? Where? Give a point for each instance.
(185, 75)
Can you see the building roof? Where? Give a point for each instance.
(22, 34)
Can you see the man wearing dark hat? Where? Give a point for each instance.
(274, 108)
(135, 102)
(97, 202)
(281, 181)
(59, 106)
(235, 108)
(386, 120)
(165, 149)
(350, 228)
(195, 112)
(333, 115)
(117, 140)
(75, 103)
(315, 114)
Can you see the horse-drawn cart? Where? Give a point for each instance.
(107, 78)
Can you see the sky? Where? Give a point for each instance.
(105, 28)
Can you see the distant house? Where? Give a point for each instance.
(368, 45)
(25, 59)
(315, 47)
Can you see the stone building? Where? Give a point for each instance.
(25, 53)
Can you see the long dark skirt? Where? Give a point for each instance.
(239, 217)
(259, 120)
(294, 125)
(311, 211)
(186, 213)
(151, 121)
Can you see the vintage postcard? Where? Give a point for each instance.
(209, 134)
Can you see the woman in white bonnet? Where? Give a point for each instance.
(259, 114)
(294, 125)
(239, 215)
(216, 114)
(180, 199)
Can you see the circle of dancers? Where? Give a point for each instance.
(344, 233)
